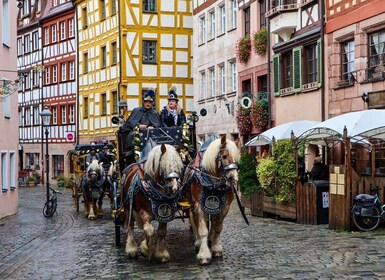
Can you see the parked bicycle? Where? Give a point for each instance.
(51, 205)
(368, 211)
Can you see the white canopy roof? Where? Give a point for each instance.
(359, 125)
(282, 131)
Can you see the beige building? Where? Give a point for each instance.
(215, 67)
(8, 109)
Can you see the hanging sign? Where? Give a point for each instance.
(246, 102)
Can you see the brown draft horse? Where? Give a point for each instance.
(212, 179)
(95, 184)
(151, 192)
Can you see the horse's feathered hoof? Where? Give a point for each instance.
(91, 217)
(164, 260)
(217, 254)
(204, 261)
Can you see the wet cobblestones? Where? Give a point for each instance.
(68, 246)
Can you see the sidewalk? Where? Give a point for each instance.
(68, 246)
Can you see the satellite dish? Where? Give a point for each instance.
(246, 102)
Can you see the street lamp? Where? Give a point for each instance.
(46, 119)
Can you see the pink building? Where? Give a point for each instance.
(8, 109)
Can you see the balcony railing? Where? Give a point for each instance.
(278, 6)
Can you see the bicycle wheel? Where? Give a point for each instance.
(50, 208)
(367, 223)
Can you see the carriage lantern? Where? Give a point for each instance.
(46, 120)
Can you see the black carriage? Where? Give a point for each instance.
(183, 137)
(79, 166)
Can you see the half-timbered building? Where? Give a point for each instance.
(125, 48)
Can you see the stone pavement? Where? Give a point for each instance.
(68, 246)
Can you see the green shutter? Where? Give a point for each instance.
(319, 62)
(276, 73)
(297, 69)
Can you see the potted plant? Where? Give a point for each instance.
(30, 181)
(244, 120)
(62, 182)
(260, 41)
(259, 114)
(243, 49)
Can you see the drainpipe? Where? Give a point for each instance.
(322, 6)
(269, 96)
(43, 162)
(77, 80)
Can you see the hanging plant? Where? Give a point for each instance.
(260, 41)
(244, 120)
(243, 49)
(260, 114)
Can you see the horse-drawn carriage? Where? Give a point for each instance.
(93, 180)
(165, 184)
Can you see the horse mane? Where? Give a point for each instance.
(169, 162)
(209, 157)
(94, 165)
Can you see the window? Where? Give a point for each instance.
(58, 165)
(377, 49)
(72, 70)
(222, 10)
(213, 27)
(212, 82)
(102, 7)
(71, 28)
(6, 107)
(287, 70)
(247, 20)
(85, 63)
(54, 33)
(203, 85)
(46, 35)
(233, 76)
(64, 72)
(347, 59)
(27, 44)
(20, 116)
(310, 64)
(234, 10)
(103, 104)
(6, 28)
(19, 46)
(222, 79)
(35, 79)
(114, 58)
(12, 164)
(84, 17)
(103, 57)
(63, 110)
(27, 82)
(4, 185)
(35, 41)
(262, 11)
(27, 116)
(54, 115)
(114, 98)
(85, 107)
(113, 7)
(149, 51)
(71, 115)
(149, 5)
(47, 73)
(202, 30)
(36, 116)
(62, 30)
(54, 73)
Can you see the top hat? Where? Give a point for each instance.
(172, 94)
(122, 103)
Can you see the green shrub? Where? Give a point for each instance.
(266, 175)
(248, 180)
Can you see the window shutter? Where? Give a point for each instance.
(276, 73)
(319, 62)
(297, 69)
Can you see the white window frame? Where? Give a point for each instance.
(223, 18)
(203, 85)
(64, 72)
(213, 24)
(47, 73)
(36, 78)
(72, 70)
(234, 10)
(63, 109)
(62, 30)
(54, 115)
(19, 46)
(212, 82)
(54, 73)
(27, 115)
(54, 33)
(35, 40)
(5, 25)
(27, 44)
(12, 169)
(222, 74)
(202, 29)
(4, 171)
(46, 35)
(71, 115)
(234, 76)
(36, 116)
(71, 28)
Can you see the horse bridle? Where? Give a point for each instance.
(228, 167)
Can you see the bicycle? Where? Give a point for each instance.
(368, 211)
(51, 205)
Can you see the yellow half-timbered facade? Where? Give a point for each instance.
(125, 48)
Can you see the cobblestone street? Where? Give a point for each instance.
(68, 246)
